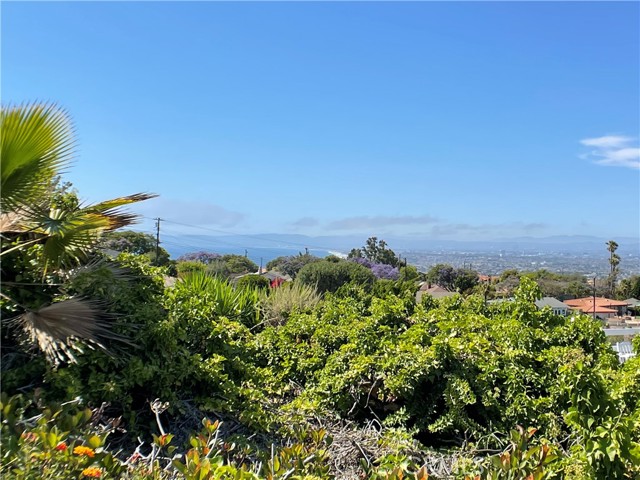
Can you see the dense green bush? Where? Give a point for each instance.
(185, 268)
(458, 369)
(444, 371)
(328, 276)
(253, 281)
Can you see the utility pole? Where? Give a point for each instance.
(158, 240)
(594, 297)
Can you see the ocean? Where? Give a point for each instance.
(258, 255)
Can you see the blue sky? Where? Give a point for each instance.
(442, 119)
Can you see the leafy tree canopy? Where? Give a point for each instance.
(291, 264)
(239, 264)
(201, 256)
(376, 251)
(453, 279)
(630, 288)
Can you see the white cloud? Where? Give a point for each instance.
(191, 212)
(613, 151)
(380, 221)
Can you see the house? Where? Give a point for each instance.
(556, 305)
(602, 307)
(435, 291)
(276, 278)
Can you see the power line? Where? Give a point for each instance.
(245, 235)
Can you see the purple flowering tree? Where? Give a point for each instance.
(385, 272)
(202, 257)
(380, 270)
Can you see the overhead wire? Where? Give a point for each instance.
(279, 242)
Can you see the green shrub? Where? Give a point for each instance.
(253, 282)
(329, 276)
(185, 268)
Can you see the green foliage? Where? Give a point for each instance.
(129, 241)
(376, 251)
(253, 282)
(37, 142)
(218, 296)
(629, 288)
(277, 304)
(47, 233)
(460, 367)
(453, 279)
(328, 276)
(186, 268)
(291, 265)
(239, 264)
(61, 441)
(135, 242)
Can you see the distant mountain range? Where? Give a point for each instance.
(578, 244)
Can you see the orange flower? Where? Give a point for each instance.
(92, 472)
(82, 450)
(61, 447)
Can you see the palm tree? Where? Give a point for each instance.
(614, 261)
(37, 145)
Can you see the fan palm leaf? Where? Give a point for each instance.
(69, 236)
(36, 144)
(56, 328)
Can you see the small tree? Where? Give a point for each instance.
(239, 264)
(291, 264)
(376, 251)
(453, 279)
(630, 287)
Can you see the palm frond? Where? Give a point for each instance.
(60, 328)
(37, 142)
(70, 236)
(111, 210)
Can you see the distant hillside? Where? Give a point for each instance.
(344, 243)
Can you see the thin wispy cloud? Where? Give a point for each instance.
(198, 213)
(613, 151)
(304, 222)
(499, 230)
(373, 222)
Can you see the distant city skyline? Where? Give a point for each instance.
(447, 120)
